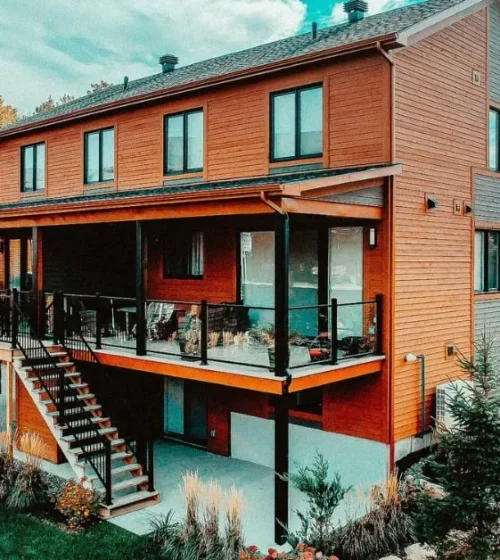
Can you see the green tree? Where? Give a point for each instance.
(98, 86)
(470, 471)
(50, 103)
(8, 114)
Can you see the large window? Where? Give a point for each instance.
(33, 167)
(183, 256)
(494, 142)
(487, 261)
(184, 142)
(297, 123)
(100, 156)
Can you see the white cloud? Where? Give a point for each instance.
(64, 45)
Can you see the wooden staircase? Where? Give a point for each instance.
(86, 436)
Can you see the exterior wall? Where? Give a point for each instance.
(29, 419)
(237, 127)
(487, 317)
(494, 57)
(487, 198)
(441, 128)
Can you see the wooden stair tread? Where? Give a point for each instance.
(120, 470)
(98, 450)
(87, 408)
(119, 456)
(101, 431)
(142, 496)
(130, 483)
(60, 365)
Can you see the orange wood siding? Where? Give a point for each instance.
(237, 128)
(219, 278)
(29, 419)
(360, 110)
(440, 134)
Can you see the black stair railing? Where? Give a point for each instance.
(76, 420)
(68, 325)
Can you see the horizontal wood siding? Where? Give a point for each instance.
(441, 124)
(487, 318)
(237, 132)
(495, 52)
(487, 199)
(359, 126)
(373, 196)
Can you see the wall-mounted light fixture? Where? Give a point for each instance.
(430, 202)
(372, 238)
(468, 208)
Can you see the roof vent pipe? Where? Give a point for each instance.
(125, 82)
(168, 63)
(314, 30)
(355, 9)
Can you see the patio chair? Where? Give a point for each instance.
(88, 322)
(159, 316)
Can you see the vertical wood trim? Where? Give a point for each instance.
(326, 120)
(390, 303)
(205, 141)
(10, 400)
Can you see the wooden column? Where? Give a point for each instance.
(140, 286)
(281, 436)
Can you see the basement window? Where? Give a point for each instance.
(487, 261)
(184, 143)
(33, 167)
(297, 123)
(183, 256)
(99, 156)
(494, 140)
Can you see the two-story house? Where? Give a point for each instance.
(247, 253)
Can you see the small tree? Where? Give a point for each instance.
(8, 114)
(323, 497)
(98, 86)
(470, 473)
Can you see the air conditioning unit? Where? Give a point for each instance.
(444, 395)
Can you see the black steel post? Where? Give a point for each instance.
(140, 272)
(61, 400)
(151, 465)
(107, 477)
(379, 302)
(323, 278)
(204, 332)
(335, 330)
(98, 321)
(14, 302)
(56, 318)
(281, 264)
(35, 319)
(62, 318)
(281, 459)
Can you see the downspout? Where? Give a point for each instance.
(421, 357)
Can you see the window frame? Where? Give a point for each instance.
(185, 139)
(35, 166)
(86, 135)
(297, 91)
(496, 111)
(485, 272)
(189, 235)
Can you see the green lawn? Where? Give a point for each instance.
(25, 536)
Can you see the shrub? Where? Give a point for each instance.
(469, 473)
(385, 529)
(79, 505)
(323, 497)
(8, 468)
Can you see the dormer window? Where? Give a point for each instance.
(297, 123)
(33, 167)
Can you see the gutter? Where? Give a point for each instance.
(232, 77)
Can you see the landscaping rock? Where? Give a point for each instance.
(391, 558)
(419, 552)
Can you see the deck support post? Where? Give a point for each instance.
(281, 436)
(140, 285)
(10, 401)
(38, 301)
(281, 460)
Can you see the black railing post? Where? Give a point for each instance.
(58, 318)
(62, 318)
(61, 400)
(107, 477)
(281, 266)
(98, 321)
(140, 286)
(379, 320)
(14, 302)
(151, 465)
(204, 332)
(335, 330)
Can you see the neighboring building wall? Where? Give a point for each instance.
(487, 199)
(487, 318)
(441, 128)
(237, 127)
(495, 52)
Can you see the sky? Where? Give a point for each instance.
(58, 47)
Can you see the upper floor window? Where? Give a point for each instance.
(487, 261)
(99, 156)
(183, 256)
(494, 151)
(33, 167)
(184, 142)
(297, 123)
